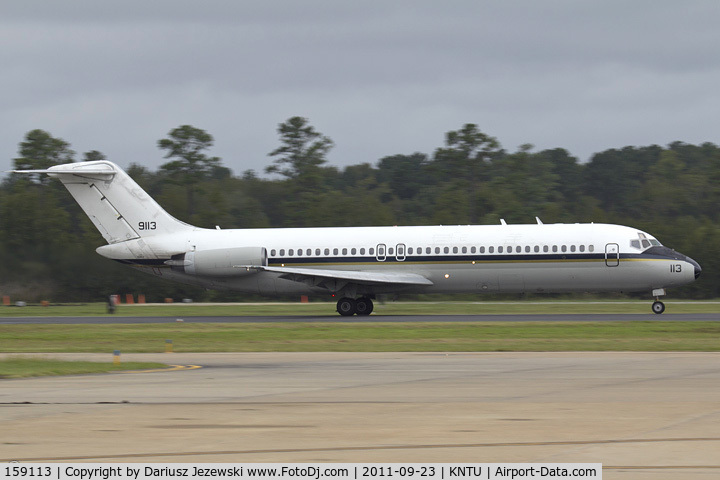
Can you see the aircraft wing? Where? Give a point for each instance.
(335, 280)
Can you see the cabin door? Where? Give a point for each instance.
(400, 252)
(612, 255)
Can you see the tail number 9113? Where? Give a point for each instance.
(147, 225)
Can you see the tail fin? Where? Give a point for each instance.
(118, 207)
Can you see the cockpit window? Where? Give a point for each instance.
(644, 242)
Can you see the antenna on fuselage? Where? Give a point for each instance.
(538, 220)
(502, 221)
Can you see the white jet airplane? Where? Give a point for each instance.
(358, 263)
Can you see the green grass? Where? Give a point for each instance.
(366, 337)
(389, 308)
(39, 367)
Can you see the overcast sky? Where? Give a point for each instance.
(378, 77)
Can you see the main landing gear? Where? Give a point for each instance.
(349, 306)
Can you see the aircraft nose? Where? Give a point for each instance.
(698, 268)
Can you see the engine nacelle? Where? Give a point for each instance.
(221, 262)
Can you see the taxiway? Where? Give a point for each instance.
(643, 415)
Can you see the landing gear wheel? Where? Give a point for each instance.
(346, 307)
(364, 306)
(658, 307)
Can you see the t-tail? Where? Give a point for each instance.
(119, 208)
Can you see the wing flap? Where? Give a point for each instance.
(321, 277)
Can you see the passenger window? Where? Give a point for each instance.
(327, 252)
(582, 248)
(317, 252)
(446, 249)
(309, 252)
(482, 249)
(428, 250)
(353, 251)
(537, 249)
(555, 249)
(455, 250)
(344, 250)
(272, 252)
(335, 251)
(491, 249)
(391, 251)
(410, 250)
(472, 249)
(371, 251)
(591, 248)
(564, 248)
(572, 248)
(437, 249)
(545, 248)
(299, 252)
(282, 252)
(527, 249)
(518, 249)
(500, 249)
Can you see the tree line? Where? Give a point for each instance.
(47, 243)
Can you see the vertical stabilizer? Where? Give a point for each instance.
(118, 207)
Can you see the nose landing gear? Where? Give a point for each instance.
(658, 306)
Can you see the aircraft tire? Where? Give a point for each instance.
(347, 307)
(364, 306)
(658, 307)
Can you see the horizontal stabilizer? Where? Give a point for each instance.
(74, 169)
(67, 172)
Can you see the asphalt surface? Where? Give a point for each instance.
(690, 317)
(642, 415)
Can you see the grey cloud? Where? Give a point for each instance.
(378, 77)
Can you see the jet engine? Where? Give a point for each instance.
(220, 262)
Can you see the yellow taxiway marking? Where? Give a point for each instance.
(171, 368)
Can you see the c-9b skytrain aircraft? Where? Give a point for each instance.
(357, 263)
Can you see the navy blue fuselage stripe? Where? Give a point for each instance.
(430, 259)
(145, 262)
(465, 258)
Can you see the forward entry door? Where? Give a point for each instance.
(612, 255)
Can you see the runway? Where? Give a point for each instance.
(643, 415)
(689, 317)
